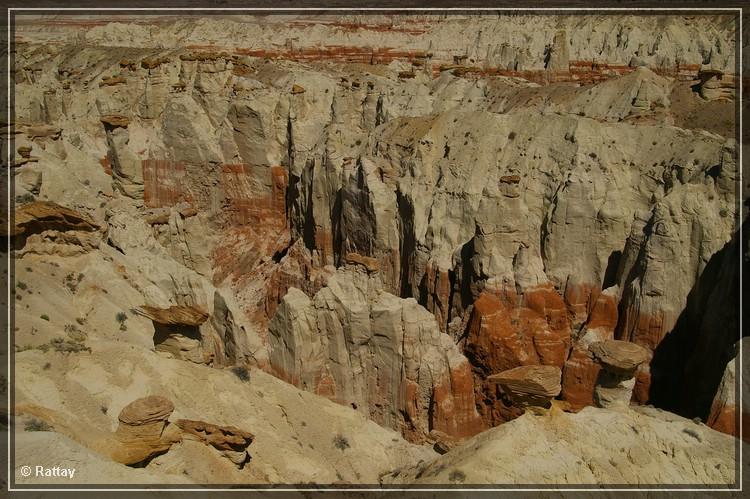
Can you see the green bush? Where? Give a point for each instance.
(242, 373)
(37, 425)
(457, 476)
(340, 442)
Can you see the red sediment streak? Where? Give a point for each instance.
(579, 379)
(339, 53)
(455, 411)
(723, 418)
(244, 207)
(164, 183)
(350, 27)
(106, 165)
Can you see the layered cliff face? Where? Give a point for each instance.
(380, 354)
(388, 211)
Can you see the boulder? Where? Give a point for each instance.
(177, 315)
(529, 385)
(231, 441)
(619, 357)
(616, 380)
(115, 120)
(38, 216)
(144, 431)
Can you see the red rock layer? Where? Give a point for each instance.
(579, 378)
(509, 331)
(581, 371)
(723, 418)
(642, 384)
(580, 300)
(245, 205)
(106, 165)
(438, 286)
(647, 330)
(604, 316)
(382, 28)
(164, 183)
(454, 411)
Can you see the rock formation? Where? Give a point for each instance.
(619, 361)
(144, 430)
(529, 385)
(231, 441)
(599, 445)
(725, 415)
(385, 356)
(434, 221)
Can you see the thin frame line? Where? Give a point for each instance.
(379, 9)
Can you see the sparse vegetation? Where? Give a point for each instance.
(242, 373)
(341, 442)
(37, 425)
(25, 198)
(47, 366)
(512, 135)
(68, 346)
(21, 285)
(121, 317)
(44, 317)
(72, 282)
(74, 333)
(457, 476)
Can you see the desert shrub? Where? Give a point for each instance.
(37, 425)
(242, 373)
(512, 135)
(74, 333)
(44, 317)
(72, 282)
(457, 476)
(341, 442)
(121, 317)
(21, 285)
(67, 346)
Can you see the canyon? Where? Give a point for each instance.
(379, 249)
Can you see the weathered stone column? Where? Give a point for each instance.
(619, 360)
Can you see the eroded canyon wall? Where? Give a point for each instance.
(388, 211)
